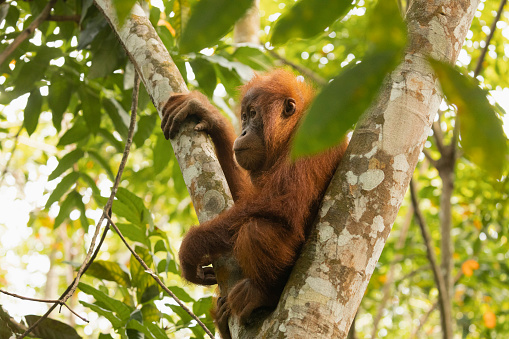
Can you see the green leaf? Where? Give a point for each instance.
(59, 96)
(62, 187)
(150, 313)
(181, 8)
(118, 116)
(107, 54)
(51, 329)
(134, 233)
(115, 321)
(66, 207)
(123, 8)
(182, 295)
(162, 154)
(108, 270)
(482, 136)
(93, 26)
(32, 111)
(146, 288)
(76, 133)
(210, 20)
(160, 246)
(308, 18)
(102, 162)
(121, 309)
(145, 125)
(158, 332)
(90, 182)
(34, 70)
(136, 325)
(12, 16)
(340, 104)
(183, 315)
(66, 162)
(154, 16)
(253, 57)
(202, 306)
(132, 208)
(386, 34)
(111, 139)
(90, 104)
(205, 75)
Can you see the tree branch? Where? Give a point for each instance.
(76, 18)
(6, 168)
(493, 27)
(27, 32)
(51, 301)
(149, 271)
(92, 252)
(439, 278)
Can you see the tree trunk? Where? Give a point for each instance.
(246, 29)
(329, 280)
(194, 151)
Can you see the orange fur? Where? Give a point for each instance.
(271, 218)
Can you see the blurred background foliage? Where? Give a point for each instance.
(65, 96)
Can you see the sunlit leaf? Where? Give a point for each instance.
(132, 208)
(145, 126)
(91, 107)
(62, 188)
(34, 70)
(307, 18)
(162, 154)
(146, 288)
(482, 136)
(205, 75)
(103, 162)
(115, 321)
(123, 8)
(107, 302)
(66, 207)
(59, 96)
(210, 20)
(110, 271)
(118, 116)
(32, 111)
(76, 133)
(253, 57)
(181, 8)
(340, 104)
(134, 232)
(66, 162)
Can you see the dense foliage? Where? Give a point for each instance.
(65, 97)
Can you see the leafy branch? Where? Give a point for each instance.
(27, 32)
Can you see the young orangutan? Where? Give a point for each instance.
(275, 204)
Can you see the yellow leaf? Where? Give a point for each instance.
(166, 24)
(490, 319)
(469, 266)
(477, 224)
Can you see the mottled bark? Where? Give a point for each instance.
(362, 202)
(246, 29)
(194, 151)
(329, 280)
